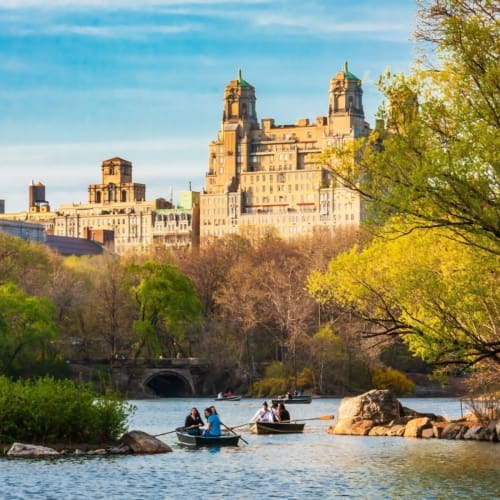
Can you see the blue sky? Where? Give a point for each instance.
(86, 80)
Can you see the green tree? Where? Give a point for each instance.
(437, 162)
(169, 310)
(441, 296)
(27, 325)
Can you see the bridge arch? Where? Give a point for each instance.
(169, 383)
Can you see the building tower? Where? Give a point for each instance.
(346, 115)
(36, 198)
(116, 184)
(239, 118)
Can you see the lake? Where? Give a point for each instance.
(296, 466)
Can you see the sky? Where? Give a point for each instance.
(87, 80)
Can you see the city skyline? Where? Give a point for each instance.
(89, 80)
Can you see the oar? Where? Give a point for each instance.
(323, 417)
(231, 430)
(238, 426)
(175, 430)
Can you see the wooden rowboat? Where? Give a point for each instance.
(196, 441)
(294, 400)
(276, 428)
(228, 398)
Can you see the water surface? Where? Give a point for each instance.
(314, 464)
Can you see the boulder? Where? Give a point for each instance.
(357, 415)
(396, 430)
(30, 451)
(451, 430)
(142, 442)
(378, 430)
(415, 427)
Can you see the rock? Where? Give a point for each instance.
(141, 442)
(31, 450)
(396, 430)
(451, 430)
(378, 430)
(357, 415)
(428, 433)
(415, 427)
(476, 432)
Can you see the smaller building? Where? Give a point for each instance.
(25, 230)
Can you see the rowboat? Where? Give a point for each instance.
(294, 400)
(276, 428)
(196, 441)
(228, 398)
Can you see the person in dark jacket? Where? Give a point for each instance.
(193, 422)
(284, 416)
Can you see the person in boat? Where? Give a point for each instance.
(264, 414)
(283, 414)
(220, 395)
(289, 395)
(228, 393)
(193, 422)
(213, 423)
(275, 410)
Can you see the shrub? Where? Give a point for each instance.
(46, 410)
(397, 382)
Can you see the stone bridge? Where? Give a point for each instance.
(165, 378)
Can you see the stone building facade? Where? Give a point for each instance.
(264, 176)
(117, 214)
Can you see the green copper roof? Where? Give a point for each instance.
(241, 82)
(348, 74)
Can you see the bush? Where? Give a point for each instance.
(397, 382)
(46, 410)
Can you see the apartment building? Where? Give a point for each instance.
(268, 177)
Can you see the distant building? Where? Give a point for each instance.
(265, 175)
(118, 207)
(25, 230)
(117, 215)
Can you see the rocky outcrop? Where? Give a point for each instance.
(379, 413)
(30, 451)
(131, 442)
(141, 442)
(357, 415)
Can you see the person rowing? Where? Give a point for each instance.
(264, 414)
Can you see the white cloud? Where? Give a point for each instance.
(105, 31)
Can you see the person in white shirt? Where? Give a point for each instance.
(264, 414)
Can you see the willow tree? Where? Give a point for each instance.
(169, 310)
(27, 325)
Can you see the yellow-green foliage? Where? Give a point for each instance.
(394, 380)
(305, 379)
(270, 386)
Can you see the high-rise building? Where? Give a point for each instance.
(264, 175)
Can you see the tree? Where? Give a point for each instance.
(168, 309)
(27, 325)
(112, 307)
(437, 161)
(441, 296)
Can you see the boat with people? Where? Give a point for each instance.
(222, 397)
(293, 400)
(276, 427)
(199, 440)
